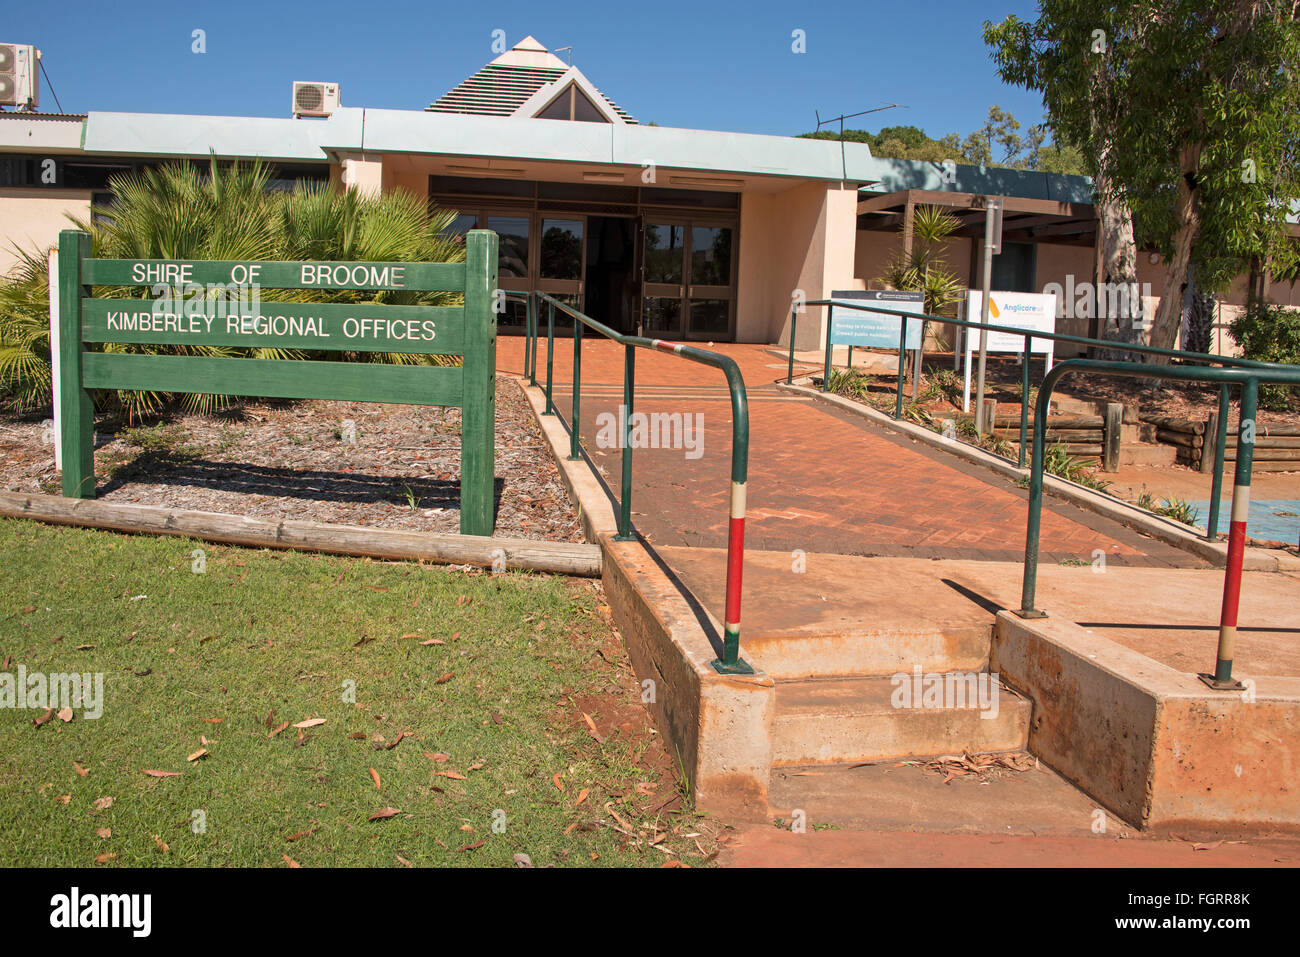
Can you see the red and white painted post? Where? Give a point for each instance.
(1222, 679)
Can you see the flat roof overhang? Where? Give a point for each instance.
(480, 138)
(1023, 219)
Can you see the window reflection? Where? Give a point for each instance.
(710, 256)
(512, 253)
(561, 249)
(664, 245)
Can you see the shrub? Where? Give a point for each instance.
(1268, 332)
(176, 211)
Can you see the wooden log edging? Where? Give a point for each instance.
(562, 558)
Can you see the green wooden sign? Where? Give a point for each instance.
(206, 304)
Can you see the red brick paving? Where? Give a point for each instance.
(820, 479)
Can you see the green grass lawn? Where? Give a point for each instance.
(491, 721)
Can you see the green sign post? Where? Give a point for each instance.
(468, 331)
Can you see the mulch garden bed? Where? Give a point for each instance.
(395, 466)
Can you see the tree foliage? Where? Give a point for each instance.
(997, 142)
(1189, 112)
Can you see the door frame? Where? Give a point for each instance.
(687, 290)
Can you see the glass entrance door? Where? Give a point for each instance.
(663, 286)
(688, 290)
(709, 289)
(561, 254)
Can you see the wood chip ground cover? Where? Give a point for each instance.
(286, 460)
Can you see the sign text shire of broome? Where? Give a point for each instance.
(325, 275)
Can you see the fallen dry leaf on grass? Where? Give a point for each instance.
(103, 832)
(472, 847)
(103, 804)
(43, 718)
(555, 779)
(290, 861)
(310, 723)
(384, 814)
(200, 753)
(403, 861)
(63, 799)
(454, 775)
(582, 796)
(374, 776)
(300, 834)
(445, 678)
(433, 641)
(437, 756)
(591, 726)
(105, 858)
(161, 846)
(161, 774)
(380, 746)
(277, 729)
(213, 720)
(64, 714)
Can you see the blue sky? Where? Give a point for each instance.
(691, 64)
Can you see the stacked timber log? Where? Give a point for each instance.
(1082, 435)
(1277, 447)
(1188, 436)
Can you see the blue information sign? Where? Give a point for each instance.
(854, 327)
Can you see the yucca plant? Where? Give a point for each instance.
(179, 212)
(925, 270)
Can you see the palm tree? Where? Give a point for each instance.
(25, 334)
(179, 212)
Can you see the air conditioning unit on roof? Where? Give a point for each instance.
(19, 63)
(315, 99)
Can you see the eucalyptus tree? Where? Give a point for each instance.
(1188, 114)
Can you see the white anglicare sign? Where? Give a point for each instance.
(1020, 310)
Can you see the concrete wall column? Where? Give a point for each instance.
(361, 172)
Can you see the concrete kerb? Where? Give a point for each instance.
(1150, 743)
(1160, 528)
(718, 726)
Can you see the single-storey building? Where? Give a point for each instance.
(677, 233)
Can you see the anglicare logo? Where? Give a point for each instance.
(107, 911)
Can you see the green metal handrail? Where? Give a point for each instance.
(1216, 490)
(730, 662)
(1249, 380)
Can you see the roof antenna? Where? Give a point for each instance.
(568, 49)
(848, 116)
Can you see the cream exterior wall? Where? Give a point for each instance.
(793, 240)
(33, 218)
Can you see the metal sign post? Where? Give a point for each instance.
(992, 246)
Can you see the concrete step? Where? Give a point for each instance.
(841, 720)
(865, 651)
(1143, 453)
